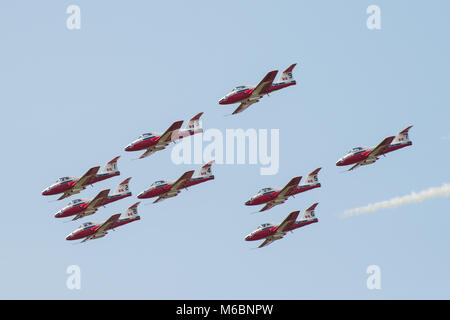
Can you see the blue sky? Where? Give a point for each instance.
(73, 99)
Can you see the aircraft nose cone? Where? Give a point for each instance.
(222, 101)
(59, 214)
(339, 162)
(45, 192)
(247, 203)
(128, 147)
(69, 237)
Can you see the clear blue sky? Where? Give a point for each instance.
(74, 99)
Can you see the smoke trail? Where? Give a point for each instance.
(434, 192)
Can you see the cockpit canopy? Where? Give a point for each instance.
(157, 183)
(265, 225)
(75, 201)
(146, 135)
(63, 179)
(264, 190)
(239, 88)
(86, 224)
(357, 149)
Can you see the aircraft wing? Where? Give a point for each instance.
(244, 105)
(104, 227)
(290, 219)
(381, 147)
(271, 239)
(81, 183)
(266, 243)
(93, 205)
(283, 194)
(260, 89)
(280, 232)
(375, 151)
(265, 83)
(175, 189)
(163, 140)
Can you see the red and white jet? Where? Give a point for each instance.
(362, 156)
(164, 189)
(152, 142)
(273, 197)
(73, 185)
(271, 232)
(84, 207)
(248, 95)
(91, 230)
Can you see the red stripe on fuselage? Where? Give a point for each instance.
(63, 187)
(81, 207)
(272, 195)
(90, 231)
(363, 155)
(157, 191)
(143, 144)
(271, 231)
(243, 95)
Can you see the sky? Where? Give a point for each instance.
(73, 99)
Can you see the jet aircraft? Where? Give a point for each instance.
(72, 185)
(152, 142)
(248, 95)
(164, 189)
(272, 232)
(361, 156)
(272, 197)
(91, 230)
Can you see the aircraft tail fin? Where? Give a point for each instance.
(195, 122)
(402, 136)
(312, 178)
(131, 212)
(111, 166)
(194, 126)
(310, 213)
(206, 169)
(123, 187)
(287, 76)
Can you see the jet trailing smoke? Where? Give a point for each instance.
(443, 191)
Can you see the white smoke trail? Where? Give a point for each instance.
(434, 192)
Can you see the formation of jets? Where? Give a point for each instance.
(268, 197)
